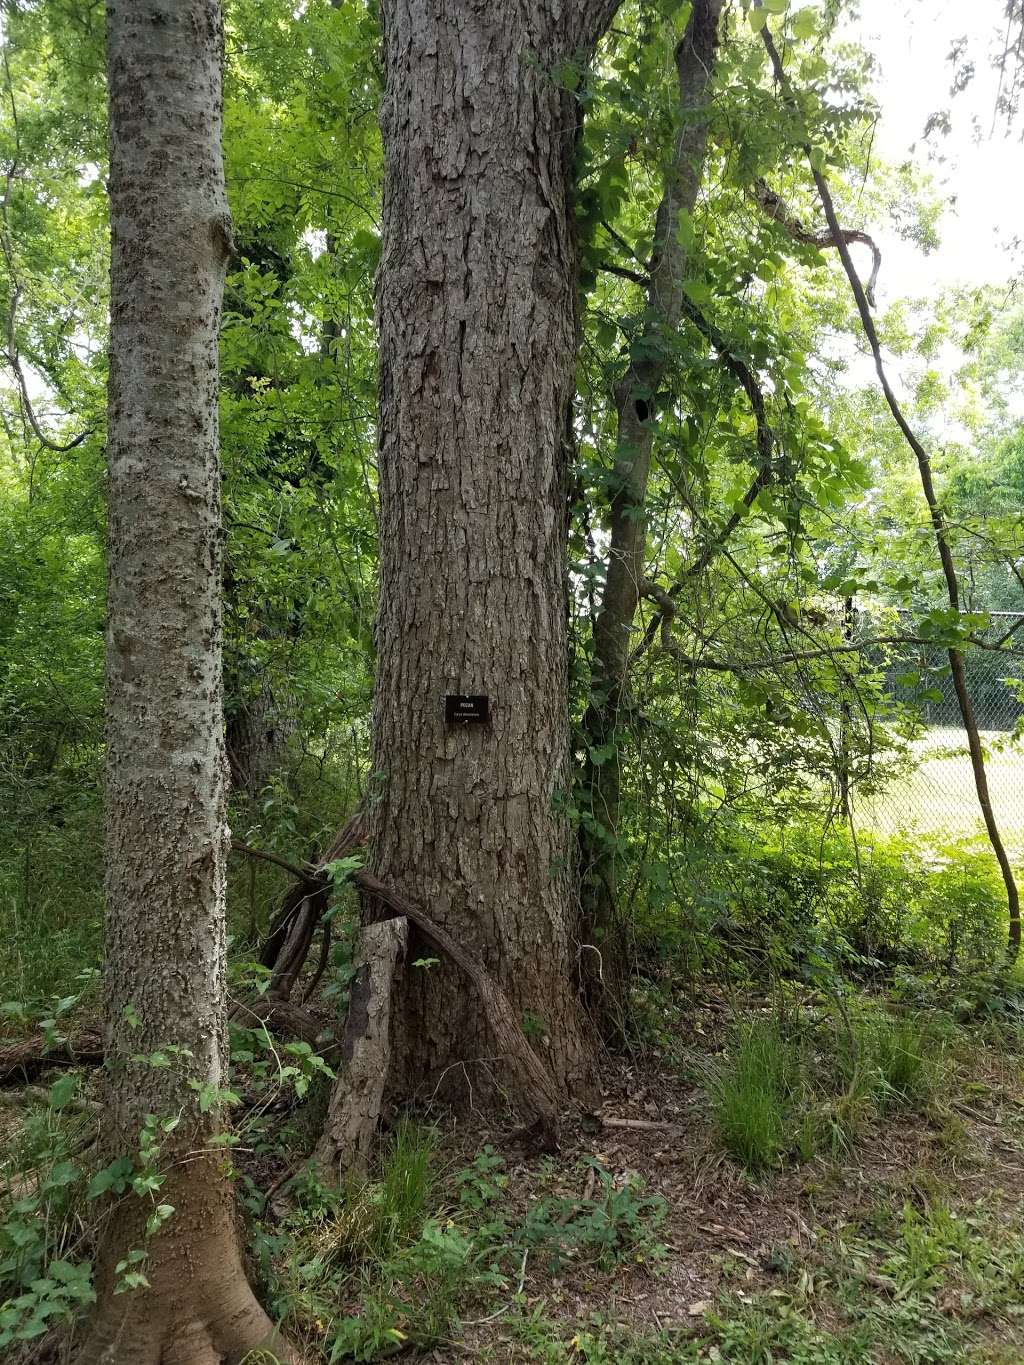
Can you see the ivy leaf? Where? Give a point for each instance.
(113, 1177)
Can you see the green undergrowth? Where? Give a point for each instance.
(791, 901)
(789, 1088)
(492, 1257)
(907, 1284)
(51, 867)
(409, 1252)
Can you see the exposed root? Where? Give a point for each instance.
(535, 1087)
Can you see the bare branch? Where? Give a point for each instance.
(779, 211)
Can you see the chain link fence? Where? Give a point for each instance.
(932, 790)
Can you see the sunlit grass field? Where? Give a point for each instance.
(939, 797)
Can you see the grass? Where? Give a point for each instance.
(778, 1094)
(902, 1244)
(755, 1092)
(938, 796)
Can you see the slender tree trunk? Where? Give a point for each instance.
(165, 775)
(938, 520)
(635, 397)
(478, 331)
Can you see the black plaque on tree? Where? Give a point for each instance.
(466, 710)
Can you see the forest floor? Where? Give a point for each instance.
(642, 1241)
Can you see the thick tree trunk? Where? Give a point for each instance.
(165, 774)
(477, 316)
(635, 397)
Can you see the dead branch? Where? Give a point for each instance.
(358, 1092)
(779, 211)
(280, 1016)
(28, 1058)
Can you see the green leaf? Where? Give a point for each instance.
(805, 23)
(757, 18)
(62, 1091)
(113, 1177)
(699, 291)
(64, 1173)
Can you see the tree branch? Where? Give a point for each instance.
(779, 211)
(956, 663)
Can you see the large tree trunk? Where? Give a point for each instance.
(478, 329)
(635, 398)
(165, 774)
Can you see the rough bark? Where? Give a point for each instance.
(537, 1093)
(477, 318)
(165, 770)
(259, 728)
(636, 397)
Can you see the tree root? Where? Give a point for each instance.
(197, 1307)
(287, 947)
(536, 1089)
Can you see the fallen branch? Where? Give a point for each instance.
(642, 1125)
(280, 1016)
(23, 1061)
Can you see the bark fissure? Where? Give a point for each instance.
(477, 317)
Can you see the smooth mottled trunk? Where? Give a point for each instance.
(636, 395)
(478, 329)
(165, 772)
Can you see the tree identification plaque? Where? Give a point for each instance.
(466, 710)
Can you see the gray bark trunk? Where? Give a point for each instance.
(477, 317)
(165, 772)
(635, 397)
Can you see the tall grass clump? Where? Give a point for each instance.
(377, 1217)
(900, 1059)
(755, 1092)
